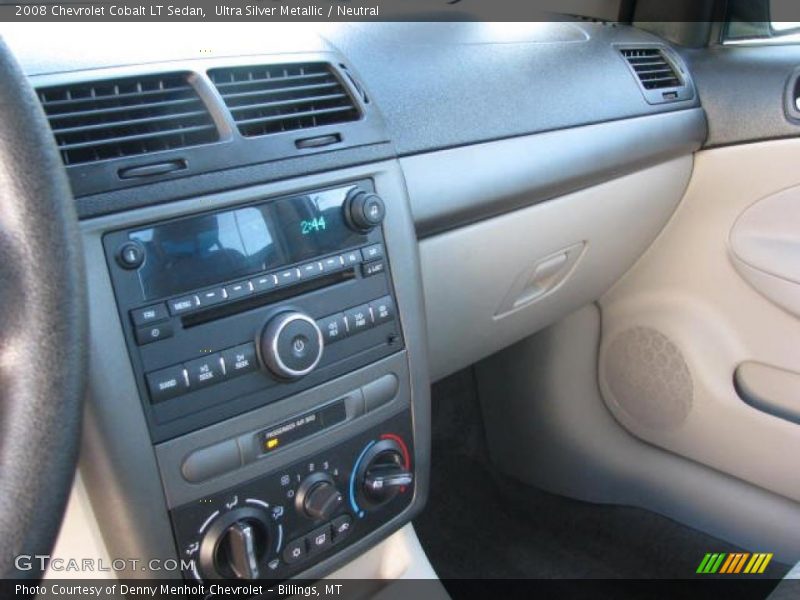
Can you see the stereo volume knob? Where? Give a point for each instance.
(290, 345)
(364, 211)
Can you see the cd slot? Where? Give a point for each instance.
(272, 296)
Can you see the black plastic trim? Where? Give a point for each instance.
(743, 90)
(500, 177)
(159, 192)
(103, 176)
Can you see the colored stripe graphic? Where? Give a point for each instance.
(703, 564)
(734, 563)
(765, 563)
(759, 562)
(711, 563)
(740, 565)
(726, 566)
(717, 564)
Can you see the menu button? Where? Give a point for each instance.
(184, 304)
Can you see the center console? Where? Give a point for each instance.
(272, 399)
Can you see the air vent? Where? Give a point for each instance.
(652, 68)
(276, 98)
(115, 118)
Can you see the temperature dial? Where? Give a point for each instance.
(383, 473)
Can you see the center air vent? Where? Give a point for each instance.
(276, 98)
(115, 118)
(652, 68)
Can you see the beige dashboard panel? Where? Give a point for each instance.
(680, 322)
(490, 284)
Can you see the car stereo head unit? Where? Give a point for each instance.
(229, 310)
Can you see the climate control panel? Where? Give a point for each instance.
(277, 525)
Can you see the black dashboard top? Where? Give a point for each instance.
(427, 86)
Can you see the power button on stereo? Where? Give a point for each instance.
(290, 345)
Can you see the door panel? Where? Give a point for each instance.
(678, 325)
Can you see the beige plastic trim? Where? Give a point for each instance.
(687, 288)
(765, 245)
(473, 273)
(79, 538)
(400, 556)
(773, 390)
(547, 425)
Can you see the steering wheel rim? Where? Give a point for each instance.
(43, 328)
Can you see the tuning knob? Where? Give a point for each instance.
(235, 545)
(364, 211)
(318, 498)
(290, 345)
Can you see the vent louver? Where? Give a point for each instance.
(115, 118)
(276, 98)
(652, 68)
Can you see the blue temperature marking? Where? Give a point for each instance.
(356, 508)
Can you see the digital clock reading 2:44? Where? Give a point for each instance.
(313, 226)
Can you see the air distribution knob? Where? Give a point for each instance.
(290, 345)
(318, 497)
(364, 211)
(235, 545)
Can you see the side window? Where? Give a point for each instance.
(761, 22)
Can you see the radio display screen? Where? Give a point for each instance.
(203, 250)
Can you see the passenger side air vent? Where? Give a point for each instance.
(660, 74)
(276, 98)
(652, 68)
(116, 118)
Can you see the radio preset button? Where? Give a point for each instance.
(332, 263)
(311, 269)
(167, 383)
(333, 328)
(288, 276)
(238, 290)
(204, 371)
(358, 319)
(372, 252)
(351, 258)
(264, 283)
(149, 314)
(240, 360)
(184, 304)
(211, 297)
(153, 333)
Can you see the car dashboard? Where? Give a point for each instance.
(289, 233)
